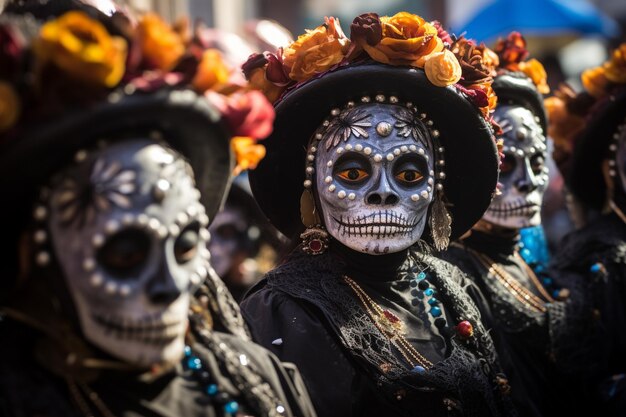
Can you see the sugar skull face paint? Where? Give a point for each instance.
(374, 177)
(128, 231)
(524, 175)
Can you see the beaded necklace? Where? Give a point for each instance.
(521, 293)
(391, 327)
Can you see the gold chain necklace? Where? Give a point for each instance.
(389, 325)
(521, 293)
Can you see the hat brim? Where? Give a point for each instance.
(517, 88)
(470, 152)
(585, 179)
(184, 121)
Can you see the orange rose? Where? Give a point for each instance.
(9, 106)
(247, 152)
(595, 82)
(537, 73)
(258, 81)
(212, 71)
(490, 60)
(161, 46)
(82, 47)
(443, 69)
(615, 69)
(316, 51)
(407, 39)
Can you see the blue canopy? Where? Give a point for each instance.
(537, 17)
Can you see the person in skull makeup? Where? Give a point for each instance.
(364, 154)
(533, 322)
(109, 304)
(589, 132)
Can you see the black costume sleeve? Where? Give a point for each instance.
(292, 333)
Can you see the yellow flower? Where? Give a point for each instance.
(82, 47)
(537, 73)
(595, 82)
(316, 51)
(407, 40)
(161, 45)
(615, 69)
(10, 106)
(490, 60)
(212, 72)
(443, 69)
(247, 152)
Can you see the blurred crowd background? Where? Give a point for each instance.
(567, 36)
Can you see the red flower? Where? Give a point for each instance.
(246, 114)
(366, 27)
(511, 51)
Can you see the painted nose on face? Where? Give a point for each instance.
(383, 194)
(162, 289)
(528, 181)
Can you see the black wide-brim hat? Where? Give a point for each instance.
(471, 158)
(516, 88)
(585, 179)
(184, 121)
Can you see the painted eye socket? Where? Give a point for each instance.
(186, 246)
(353, 174)
(124, 253)
(508, 164)
(537, 162)
(409, 176)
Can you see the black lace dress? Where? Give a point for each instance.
(306, 313)
(596, 254)
(546, 351)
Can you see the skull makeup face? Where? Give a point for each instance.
(128, 231)
(374, 177)
(524, 176)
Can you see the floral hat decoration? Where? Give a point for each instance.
(69, 82)
(585, 127)
(401, 59)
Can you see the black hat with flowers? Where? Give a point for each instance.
(68, 84)
(586, 126)
(399, 59)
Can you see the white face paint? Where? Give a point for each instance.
(128, 231)
(524, 175)
(374, 178)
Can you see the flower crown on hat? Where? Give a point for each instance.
(512, 54)
(568, 111)
(404, 39)
(72, 61)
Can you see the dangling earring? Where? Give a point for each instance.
(315, 237)
(440, 223)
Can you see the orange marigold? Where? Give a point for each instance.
(82, 47)
(247, 152)
(161, 46)
(407, 39)
(212, 71)
(537, 73)
(316, 50)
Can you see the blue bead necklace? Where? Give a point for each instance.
(209, 387)
(421, 288)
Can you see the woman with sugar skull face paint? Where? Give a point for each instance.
(110, 306)
(533, 321)
(366, 163)
(589, 132)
